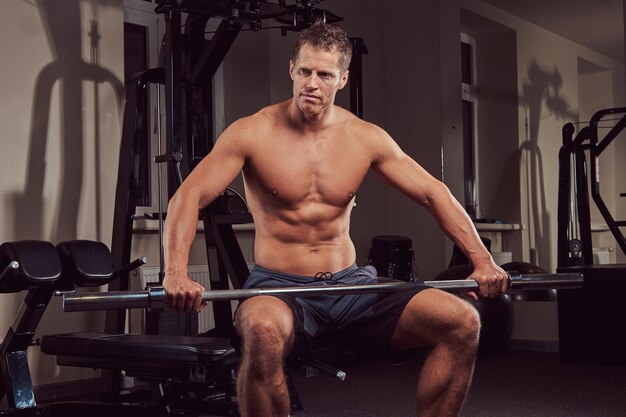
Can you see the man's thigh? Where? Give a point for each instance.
(373, 330)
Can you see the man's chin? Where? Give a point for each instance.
(310, 109)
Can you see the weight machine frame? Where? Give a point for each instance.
(190, 63)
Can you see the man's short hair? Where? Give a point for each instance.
(327, 37)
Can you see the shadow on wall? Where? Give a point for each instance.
(62, 20)
(541, 90)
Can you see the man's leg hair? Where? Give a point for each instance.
(266, 328)
(450, 328)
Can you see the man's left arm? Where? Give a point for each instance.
(459, 227)
(404, 173)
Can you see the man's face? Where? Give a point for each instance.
(316, 76)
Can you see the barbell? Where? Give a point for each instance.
(154, 297)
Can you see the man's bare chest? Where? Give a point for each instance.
(328, 171)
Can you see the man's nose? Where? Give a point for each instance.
(312, 81)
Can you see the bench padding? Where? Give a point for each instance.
(139, 347)
(86, 263)
(39, 265)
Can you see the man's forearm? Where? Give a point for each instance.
(179, 232)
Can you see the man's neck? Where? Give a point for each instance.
(310, 121)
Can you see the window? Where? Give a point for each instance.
(469, 108)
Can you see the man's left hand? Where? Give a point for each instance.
(492, 280)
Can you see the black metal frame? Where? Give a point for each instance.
(16, 379)
(190, 64)
(586, 141)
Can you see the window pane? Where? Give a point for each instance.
(466, 63)
(468, 157)
(135, 60)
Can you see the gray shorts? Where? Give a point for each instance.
(362, 321)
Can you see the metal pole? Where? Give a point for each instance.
(160, 187)
(155, 297)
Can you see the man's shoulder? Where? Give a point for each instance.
(247, 132)
(265, 118)
(361, 127)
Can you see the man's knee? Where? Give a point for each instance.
(466, 332)
(433, 317)
(266, 330)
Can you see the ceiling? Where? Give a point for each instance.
(596, 24)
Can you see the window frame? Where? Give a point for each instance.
(469, 93)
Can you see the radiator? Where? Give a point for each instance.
(200, 274)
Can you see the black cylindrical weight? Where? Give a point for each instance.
(393, 257)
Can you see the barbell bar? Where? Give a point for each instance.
(154, 298)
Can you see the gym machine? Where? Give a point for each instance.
(572, 249)
(590, 318)
(35, 267)
(185, 375)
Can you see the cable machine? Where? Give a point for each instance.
(575, 180)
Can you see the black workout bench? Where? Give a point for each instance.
(189, 375)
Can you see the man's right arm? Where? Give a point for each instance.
(203, 185)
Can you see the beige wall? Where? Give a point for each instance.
(60, 115)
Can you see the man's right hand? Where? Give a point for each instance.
(182, 293)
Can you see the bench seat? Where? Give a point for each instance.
(141, 348)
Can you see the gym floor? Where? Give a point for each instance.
(506, 384)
